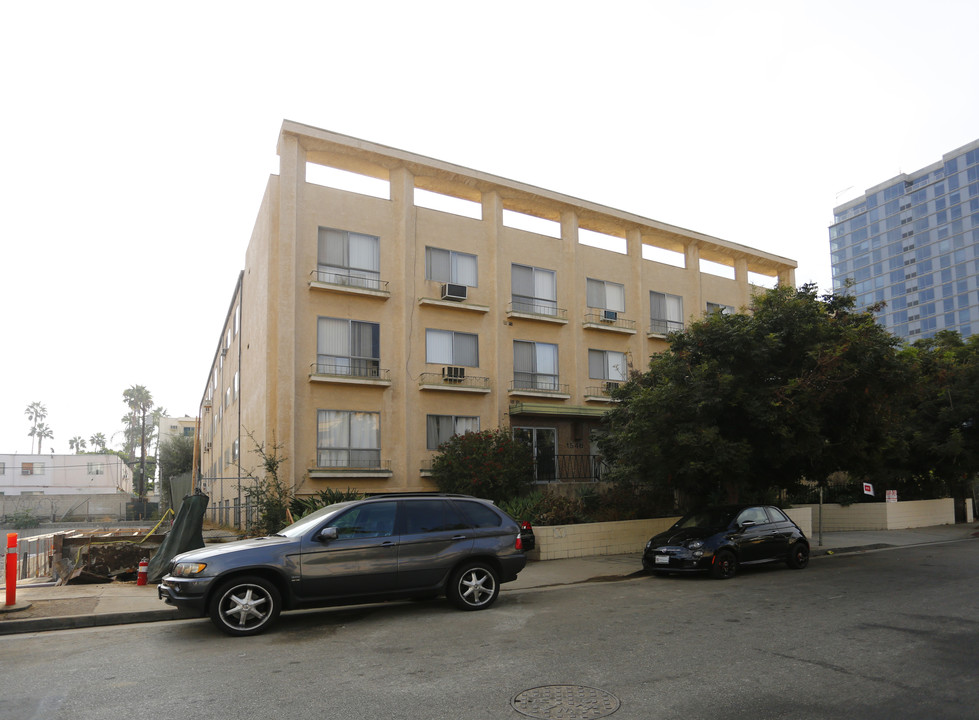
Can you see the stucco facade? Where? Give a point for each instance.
(363, 329)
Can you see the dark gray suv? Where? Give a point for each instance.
(383, 547)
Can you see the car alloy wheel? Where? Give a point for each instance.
(798, 556)
(474, 587)
(245, 606)
(725, 565)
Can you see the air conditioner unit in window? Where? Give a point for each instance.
(451, 291)
(609, 316)
(453, 374)
(207, 447)
(611, 385)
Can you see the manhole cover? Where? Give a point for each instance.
(565, 702)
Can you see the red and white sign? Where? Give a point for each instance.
(868, 489)
(892, 496)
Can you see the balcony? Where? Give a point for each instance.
(662, 328)
(352, 371)
(603, 392)
(610, 321)
(539, 385)
(453, 381)
(348, 283)
(531, 309)
(349, 464)
(569, 468)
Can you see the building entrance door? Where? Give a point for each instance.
(543, 441)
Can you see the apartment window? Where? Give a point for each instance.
(449, 266)
(96, 469)
(718, 307)
(3, 468)
(236, 385)
(227, 397)
(665, 313)
(606, 365)
(442, 427)
(348, 347)
(535, 365)
(346, 438)
(32, 468)
(234, 450)
(605, 295)
(188, 432)
(349, 258)
(445, 347)
(237, 319)
(534, 290)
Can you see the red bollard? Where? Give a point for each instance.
(141, 575)
(11, 568)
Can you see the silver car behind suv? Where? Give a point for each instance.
(383, 547)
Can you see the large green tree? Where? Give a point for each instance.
(799, 387)
(176, 456)
(941, 432)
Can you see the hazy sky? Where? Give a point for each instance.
(137, 139)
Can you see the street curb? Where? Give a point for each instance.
(73, 622)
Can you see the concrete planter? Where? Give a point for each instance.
(884, 515)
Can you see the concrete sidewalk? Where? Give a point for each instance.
(51, 607)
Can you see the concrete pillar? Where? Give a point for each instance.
(696, 297)
(285, 277)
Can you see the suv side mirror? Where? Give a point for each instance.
(326, 534)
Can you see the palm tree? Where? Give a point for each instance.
(77, 443)
(42, 432)
(140, 402)
(36, 412)
(98, 442)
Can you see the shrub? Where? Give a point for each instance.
(303, 506)
(489, 464)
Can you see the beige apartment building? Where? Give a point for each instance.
(370, 324)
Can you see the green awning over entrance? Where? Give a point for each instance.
(569, 411)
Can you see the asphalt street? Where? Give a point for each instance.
(889, 634)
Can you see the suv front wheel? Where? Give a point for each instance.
(245, 606)
(474, 586)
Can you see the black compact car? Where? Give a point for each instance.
(391, 546)
(718, 540)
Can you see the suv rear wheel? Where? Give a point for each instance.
(474, 586)
(245, 606)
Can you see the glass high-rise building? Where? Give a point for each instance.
(912, 242)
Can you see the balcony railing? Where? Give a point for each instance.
(604, 390)
(368, 460)
(446, 381)
(529, 307)
(609, 319)
(352, 368)
(348, 279)
(568, 468)
(665, 327)
(538, 383)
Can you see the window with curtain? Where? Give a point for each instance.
(348, 347)
(445, 347)
(533, 290)
(535, 365)
(440, 428)
(449, 266)
(605, 295)
(349, 258)
(346, 438)
(606, 365)
(665, 313)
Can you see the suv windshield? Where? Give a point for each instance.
(301, 527)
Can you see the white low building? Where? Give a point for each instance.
(83, 474)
